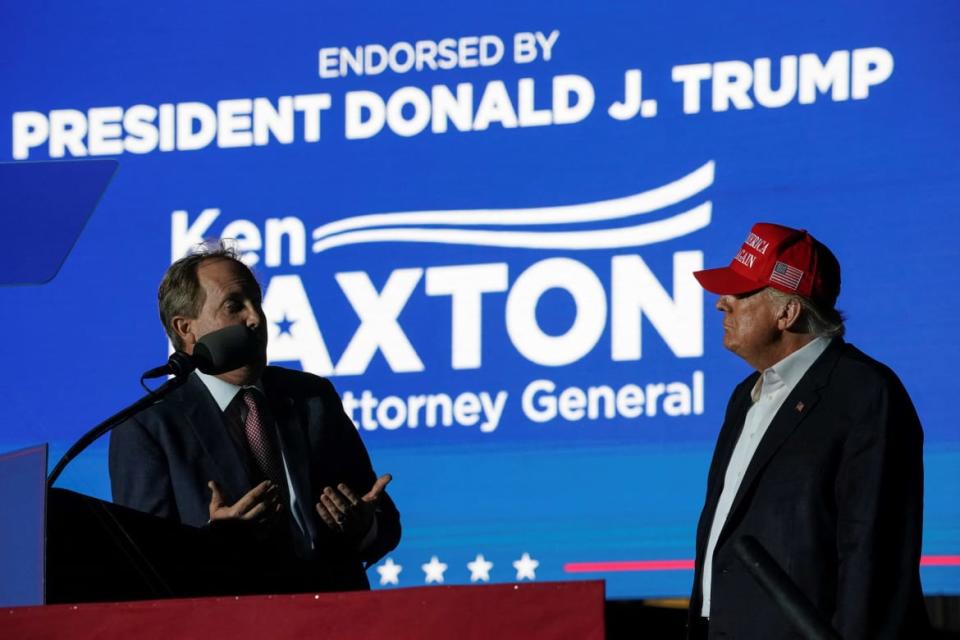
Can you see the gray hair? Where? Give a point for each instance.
(814, 319)
(180, 293)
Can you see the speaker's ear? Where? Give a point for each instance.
(183, 327)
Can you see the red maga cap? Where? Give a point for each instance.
(790, 260)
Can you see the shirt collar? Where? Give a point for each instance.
(223, 392)
(788, 372)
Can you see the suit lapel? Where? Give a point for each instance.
(797, 406)
(207, 421)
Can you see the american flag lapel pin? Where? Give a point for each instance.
(799, 407)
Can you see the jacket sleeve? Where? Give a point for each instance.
(139, 474)
(879, 494)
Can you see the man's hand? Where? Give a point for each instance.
(342, 511)
(261, 501)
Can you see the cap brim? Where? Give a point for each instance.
(726, 281)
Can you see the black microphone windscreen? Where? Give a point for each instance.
(226, 349)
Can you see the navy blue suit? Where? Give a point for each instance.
(835, 493)
(162, 459)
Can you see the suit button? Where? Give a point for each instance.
(724, 571)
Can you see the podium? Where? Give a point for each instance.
(147, 576)
(101, 552)
(116, 572)
(113, 572)
(57, 546)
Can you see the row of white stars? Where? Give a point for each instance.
(479, 570)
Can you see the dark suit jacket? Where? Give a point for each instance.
(162, 459)
(835, 493)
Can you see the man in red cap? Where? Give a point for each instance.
(820, 458)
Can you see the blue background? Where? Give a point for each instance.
(875, 179)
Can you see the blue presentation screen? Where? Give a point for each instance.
(480, 221)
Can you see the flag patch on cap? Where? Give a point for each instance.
(786, 275)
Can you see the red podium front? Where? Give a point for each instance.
(500, 612)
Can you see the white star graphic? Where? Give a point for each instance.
(526, 567)
(480, 569)
(434, 570)
(389, 572)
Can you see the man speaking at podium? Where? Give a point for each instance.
(266, 445)
(820, 458)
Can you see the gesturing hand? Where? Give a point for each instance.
(341, 510)
(262, 500)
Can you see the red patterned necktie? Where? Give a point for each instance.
(261, 445)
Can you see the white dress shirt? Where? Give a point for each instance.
(772, 388)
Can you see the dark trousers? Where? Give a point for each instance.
(699, 628)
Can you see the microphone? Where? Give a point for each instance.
(783, 591)
(217, 352)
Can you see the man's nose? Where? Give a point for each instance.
(724, 303)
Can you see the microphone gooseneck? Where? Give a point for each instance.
(217, 352)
